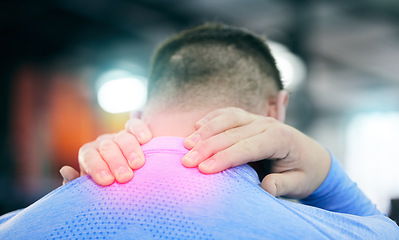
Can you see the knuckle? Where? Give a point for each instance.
(282, 130)
(262, 123)
(203, 146)
(85, 147)
(128, 125)
(207, 129)
(241, 117)
(120, 137)
(249, 148)
(86, 150)
(235, 118)
(134, 125)
(85, 156)
(106, 146)
(234, 112)
(127, 144)
(233, 134)
(267, 120)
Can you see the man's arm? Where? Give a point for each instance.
(303, 166)
(339, 193)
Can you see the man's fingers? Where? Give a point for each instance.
(115, 160)
(131, 149)
(261, 146)
(206, 148)
(205, 119)
(111, 157)
(216, 122)
(68, 174)
(288, 184)
(139, 128)
(92, 163)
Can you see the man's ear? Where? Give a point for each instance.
(278, 106)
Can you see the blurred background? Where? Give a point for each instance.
(67, 67)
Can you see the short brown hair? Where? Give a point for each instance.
(213, 64)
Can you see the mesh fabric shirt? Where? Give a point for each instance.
(166, 200)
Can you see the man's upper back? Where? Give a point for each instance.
(165, 200)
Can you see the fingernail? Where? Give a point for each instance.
(208, 163)
(191, 156)
(144, 137)
(134, 159)
(193, 139)
(106, 176)
(123, 172)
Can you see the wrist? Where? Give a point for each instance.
(324, 178)
(316, 164)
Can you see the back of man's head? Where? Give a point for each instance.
(213, 65)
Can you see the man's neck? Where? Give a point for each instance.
(174, 123)
(182, 124)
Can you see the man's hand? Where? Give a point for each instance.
(230, 137)
(112, 156)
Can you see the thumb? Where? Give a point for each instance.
(289, 184)
(68, 174)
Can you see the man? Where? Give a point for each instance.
(194, 74)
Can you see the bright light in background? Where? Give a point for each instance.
(372, 158)
(119, 91)
(292, 68)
